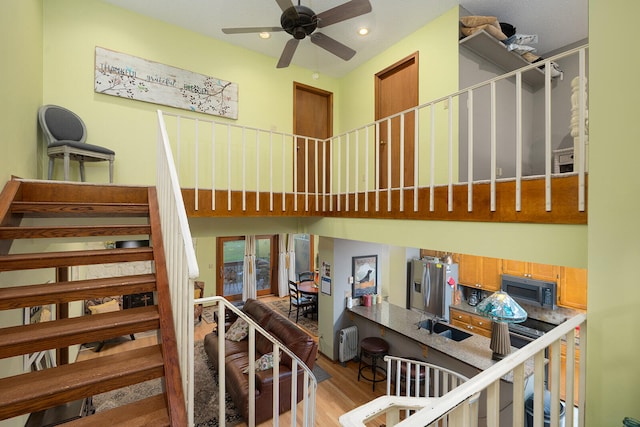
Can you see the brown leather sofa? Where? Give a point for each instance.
(236, 360)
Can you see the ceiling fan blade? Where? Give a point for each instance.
(284, 4)
(251, 30)
(345, 11)
(287, 53)
(332, 45)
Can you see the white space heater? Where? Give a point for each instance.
(348, 343)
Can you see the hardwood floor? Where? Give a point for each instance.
(335, 396)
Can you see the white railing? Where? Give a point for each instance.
(222, 157)
(181, 265)
(546, 354)
(424, 381)
(309, 384)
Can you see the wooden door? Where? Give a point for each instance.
(396, 89)
(230, 265)
(312, 117)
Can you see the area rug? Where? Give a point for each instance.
(308, 324)
(205, 399)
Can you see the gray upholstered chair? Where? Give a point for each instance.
(66, 136)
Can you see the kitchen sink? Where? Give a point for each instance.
(444, 330)
(454, 334)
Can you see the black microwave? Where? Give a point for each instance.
(530, 291)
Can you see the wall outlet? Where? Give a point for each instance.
(351, 280)
(498, 171)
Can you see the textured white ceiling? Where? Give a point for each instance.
(557, 23)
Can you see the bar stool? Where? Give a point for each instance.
(374, 348)
(412, 377)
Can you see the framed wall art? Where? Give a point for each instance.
(364, 272)
(127, 76)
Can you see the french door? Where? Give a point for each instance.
(230, 266)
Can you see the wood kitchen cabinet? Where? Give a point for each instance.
(531, 270)
(572, 290)
(479, 272)
(470, 322)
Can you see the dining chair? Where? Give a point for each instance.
(298, 301)
(306, 276)
(66, 136)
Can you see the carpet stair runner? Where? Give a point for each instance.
(36, 203)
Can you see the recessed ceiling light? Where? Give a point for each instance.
(363, 31)
(264, 35)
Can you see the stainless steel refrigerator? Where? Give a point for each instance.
(431, 286)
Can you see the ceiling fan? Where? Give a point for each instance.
(301, 21)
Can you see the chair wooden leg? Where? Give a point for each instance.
(50, 174)
(82, 176)
(110, 171)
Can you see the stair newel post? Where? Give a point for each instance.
(62, 312)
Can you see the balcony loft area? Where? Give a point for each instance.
(491, 152)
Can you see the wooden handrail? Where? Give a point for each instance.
(173, 380)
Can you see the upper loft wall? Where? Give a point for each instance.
(553, 244)
(20, 86)
(72, 30)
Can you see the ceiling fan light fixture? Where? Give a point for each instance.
(363, 31)
(264, 35)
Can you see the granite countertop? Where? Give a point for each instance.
(464, 306)
(474, 351)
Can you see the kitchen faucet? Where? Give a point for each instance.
(434, 321)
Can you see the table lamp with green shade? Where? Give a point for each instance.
(502, 310)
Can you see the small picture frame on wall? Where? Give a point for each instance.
(364, 272)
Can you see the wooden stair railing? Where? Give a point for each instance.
(30, 392)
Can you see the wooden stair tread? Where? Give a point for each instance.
(60, 292)
(61, 231)
(80, 192)
(39, 390)
(151, 411)
(73, 258)
(19, 340)
(79, 209)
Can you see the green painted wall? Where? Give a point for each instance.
(613, 377)
(21, 95)
(548, 244)
(20, 86)
(72, 30)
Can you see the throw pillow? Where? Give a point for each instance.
(105, 308)
(262, 364)
(238, 331)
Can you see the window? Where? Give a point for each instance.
(303, 248)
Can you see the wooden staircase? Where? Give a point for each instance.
(32, 210)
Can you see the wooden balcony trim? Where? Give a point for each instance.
(564, 203)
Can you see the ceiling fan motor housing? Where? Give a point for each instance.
(299, 21)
